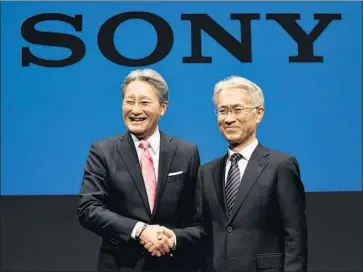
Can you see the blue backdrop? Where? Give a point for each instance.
(50, 116)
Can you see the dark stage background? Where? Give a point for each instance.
(41, 233)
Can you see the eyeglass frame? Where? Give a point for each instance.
(233, 110)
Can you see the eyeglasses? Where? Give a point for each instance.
(236, 111)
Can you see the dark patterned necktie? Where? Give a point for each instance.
(233, 181)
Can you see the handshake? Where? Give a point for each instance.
(157, 240)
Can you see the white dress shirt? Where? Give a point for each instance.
(242, 163)
(154, 149)
(154, 141)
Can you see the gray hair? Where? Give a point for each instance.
(236, 82)
(150, 76)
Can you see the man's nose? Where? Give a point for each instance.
(136, 109)
(230, 118)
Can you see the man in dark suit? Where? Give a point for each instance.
(138, 182)
(252, 199)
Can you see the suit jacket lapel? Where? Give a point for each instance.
(218, 181)
(129, 156)
(255, 166)
(166, 156)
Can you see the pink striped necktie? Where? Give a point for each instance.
(148, 172)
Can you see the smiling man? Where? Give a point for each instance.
(138, 187)
(252, 199)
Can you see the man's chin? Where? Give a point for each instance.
(137, 132)
(230, 137)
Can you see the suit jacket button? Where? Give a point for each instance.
(229, 229)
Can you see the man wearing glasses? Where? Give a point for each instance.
(252, 199)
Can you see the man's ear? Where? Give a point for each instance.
(260, 114)
(164, 106)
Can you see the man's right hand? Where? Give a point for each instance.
(167, 237)
(154, 240)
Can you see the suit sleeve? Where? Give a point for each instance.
(192, 233)
(93, 213)
(291, 197)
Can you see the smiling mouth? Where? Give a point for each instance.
(137, 119)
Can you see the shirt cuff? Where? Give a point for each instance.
(137, 225)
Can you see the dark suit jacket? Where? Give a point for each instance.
(267, 228)
(113, 199)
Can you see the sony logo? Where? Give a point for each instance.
(238, 48)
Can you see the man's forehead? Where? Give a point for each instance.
(235, 105)
(233, 98)
(136, 95)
